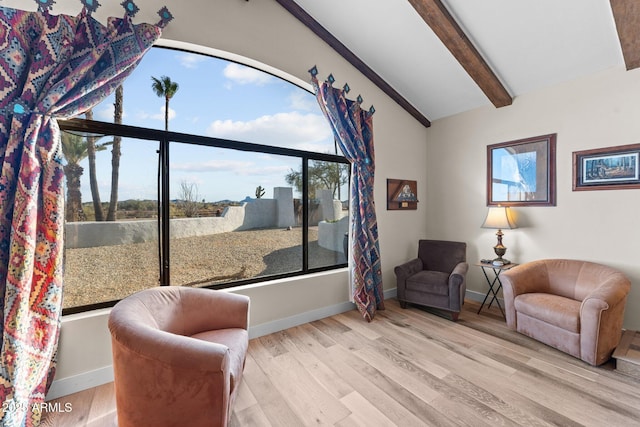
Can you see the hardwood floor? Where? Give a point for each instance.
(407, 368)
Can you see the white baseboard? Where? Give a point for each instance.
(479, 296)
(306, 317)
(299, 319)
(83, 381)
(86, 380)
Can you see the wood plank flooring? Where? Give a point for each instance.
(407, 368)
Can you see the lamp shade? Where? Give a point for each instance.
(499, 217)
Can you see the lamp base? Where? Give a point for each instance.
(500, 250)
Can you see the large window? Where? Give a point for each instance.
(245, 185)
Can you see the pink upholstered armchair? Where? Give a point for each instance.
(178, 356)
(574, 306)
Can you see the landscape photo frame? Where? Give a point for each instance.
(609, 168)
(522, 172)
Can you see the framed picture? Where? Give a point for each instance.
(522, 172)
(610, 168)
(402, 194)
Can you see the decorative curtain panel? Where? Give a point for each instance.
(353, 129)
(51, 67)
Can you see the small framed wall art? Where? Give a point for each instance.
(402, 194)
(610, 168)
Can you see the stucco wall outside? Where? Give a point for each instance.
(258, 213)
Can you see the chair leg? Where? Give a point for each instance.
(455, 315)
(403, 304)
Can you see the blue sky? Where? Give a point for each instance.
(216, 98)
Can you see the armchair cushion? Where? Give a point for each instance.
(438, 282)
(553, 309)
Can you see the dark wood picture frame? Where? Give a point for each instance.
(402, 194)
(609, 168)
(522, 172)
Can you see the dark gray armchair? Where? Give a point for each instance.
(436, 278)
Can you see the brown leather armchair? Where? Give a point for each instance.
(436, 278)
(178, 356)
(574, 306)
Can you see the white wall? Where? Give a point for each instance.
(602, 110)
(264, 31)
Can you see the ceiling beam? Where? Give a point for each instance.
(626, 13)
(293, 8)
(436, 15)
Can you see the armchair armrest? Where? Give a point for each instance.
(609, 294)
(209, 310)
(605, 297)
(403, 272)
(407, 269)
(456, 288)
(601, 318)
(458, 275)
(164, 348)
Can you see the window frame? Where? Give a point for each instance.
(165, 138)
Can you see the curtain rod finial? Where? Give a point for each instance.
(313, 71)
(45, 5)
(165, 16)
(90, 5)
(130, 7)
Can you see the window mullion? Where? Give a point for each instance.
(165, 201)
(305, 214)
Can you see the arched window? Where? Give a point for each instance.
(246, 185)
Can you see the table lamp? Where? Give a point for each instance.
(499, 217)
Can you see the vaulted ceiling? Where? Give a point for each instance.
(442, 57)
(437, 58)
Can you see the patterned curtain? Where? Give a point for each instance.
(51, 67)
(353, 129)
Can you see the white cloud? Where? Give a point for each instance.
(293, 130)
(246, 75)
(189, 60)
(106, 114)
(212, 166)
(301, 100)
(236, 167)
(143, 115)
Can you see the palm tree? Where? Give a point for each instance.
(93, 180)
(165, 88)
(74, 148)
(115, 156)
